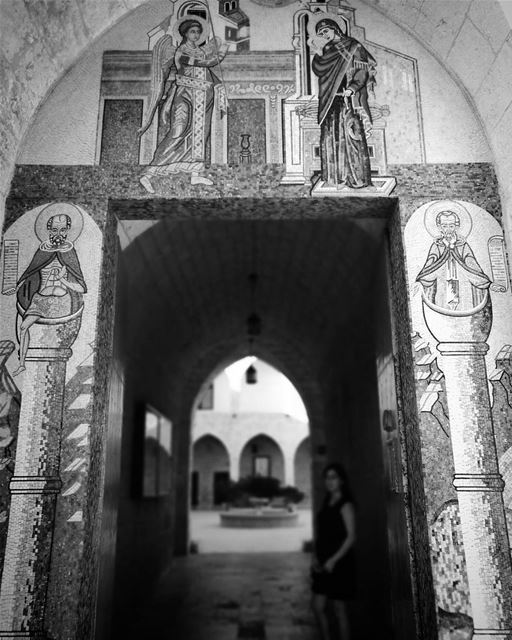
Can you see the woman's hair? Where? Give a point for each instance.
(342, 474)
(186, 25)
(330, 24)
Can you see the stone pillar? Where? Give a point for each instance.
(234, 466)
(36, 482)
(289, 468)
(477, 479)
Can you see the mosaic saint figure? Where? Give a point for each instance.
(346, 71)
(184, 90)
(52, 285)
(451, 276)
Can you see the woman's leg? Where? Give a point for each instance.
(340, 611)
(319, 604)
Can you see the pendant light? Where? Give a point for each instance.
(253, 326)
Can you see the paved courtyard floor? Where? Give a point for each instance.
(258, 596)
(210, 537)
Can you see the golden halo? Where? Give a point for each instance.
(59, 209)
(206, 28)
(435, 208)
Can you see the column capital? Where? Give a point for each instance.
(35, 485)
(463, 348)
(491, 634)
(478, 482)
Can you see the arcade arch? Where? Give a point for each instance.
(262, 456)
(210, 472)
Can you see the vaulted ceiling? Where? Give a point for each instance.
(190, 294)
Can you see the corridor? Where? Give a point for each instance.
(228, 596)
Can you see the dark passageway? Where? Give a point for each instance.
(185, 293)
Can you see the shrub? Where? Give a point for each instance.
(240, 492)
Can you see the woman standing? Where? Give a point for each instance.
(333, 570)
(345, 70)
(184, 88)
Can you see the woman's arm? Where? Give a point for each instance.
(348, 514)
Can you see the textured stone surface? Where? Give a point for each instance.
(222, 596)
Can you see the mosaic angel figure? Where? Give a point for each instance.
(184, 90)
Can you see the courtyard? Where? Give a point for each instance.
(209, 537)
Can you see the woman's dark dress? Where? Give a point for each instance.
(340, 584)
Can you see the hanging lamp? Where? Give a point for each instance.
(251, 375)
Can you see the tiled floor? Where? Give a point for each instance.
(259, 596)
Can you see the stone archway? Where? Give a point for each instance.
(262, 456)
(181, 299)
(208, 319)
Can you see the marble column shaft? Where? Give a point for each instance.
(34, 488)
(479, 488)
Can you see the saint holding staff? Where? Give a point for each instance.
(184, 89)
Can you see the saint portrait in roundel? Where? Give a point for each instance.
(451, 276)
(50, 290)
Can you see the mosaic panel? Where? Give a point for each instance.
(89, 185)
(119, 141)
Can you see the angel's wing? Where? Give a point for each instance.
(163, 57)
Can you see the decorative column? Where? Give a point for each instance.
(479, 485)
(36, 482)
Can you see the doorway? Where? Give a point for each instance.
(328, 322)
(220, 487)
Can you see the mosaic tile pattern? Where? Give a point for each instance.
(461, 345)
(34, 564)
(69, 526)
(449, 561)
(411, 449)
(91, 186)
(119, 142)
(9, 417)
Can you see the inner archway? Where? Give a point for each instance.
(245, 431)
